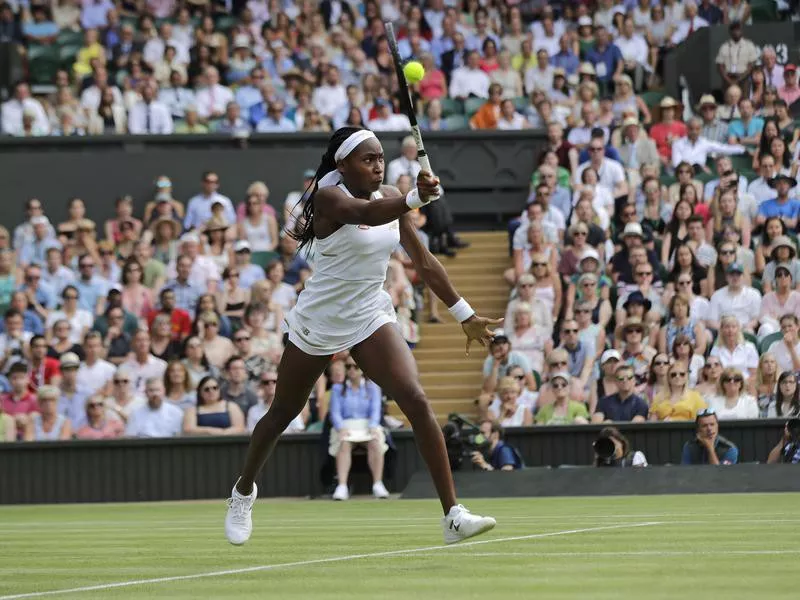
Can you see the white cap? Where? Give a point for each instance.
(584, 21)
(590, 253)
(560, 375)
(609, 355)
(190, 236)
(633, 229)
(241, 246)
(40, 220)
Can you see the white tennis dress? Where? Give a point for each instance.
(344, 302)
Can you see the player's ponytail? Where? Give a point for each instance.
(303, 230)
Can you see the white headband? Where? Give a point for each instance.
(350, 144)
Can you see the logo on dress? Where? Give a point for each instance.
(364, 227)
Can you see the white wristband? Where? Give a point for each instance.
(413, 200)
(461, 310)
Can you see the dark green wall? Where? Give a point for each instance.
(196, 468)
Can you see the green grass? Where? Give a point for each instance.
(734, 546)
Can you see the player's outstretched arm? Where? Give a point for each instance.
(475, 327)
(339, 207)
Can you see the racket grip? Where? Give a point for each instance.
(425, 163)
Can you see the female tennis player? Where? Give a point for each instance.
(355, 223)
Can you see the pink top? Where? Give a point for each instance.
(241, 211)
(433, 85)
(137, 302)
(771, 306)
(25, 406)
(789, 95)
(111, 429)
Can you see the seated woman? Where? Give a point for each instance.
(524, 294)
(732, 349)
(606, 384)
(196, 361)
(99, 426)
(773, 228)
(681, 322)
(178, 386)
(686, 262)
(726, 252)
(658, 378)
(48, 424)
(162, 344)
(782, 300)
(725, 214)
(709, 377)
(232, 298)
(787, 399)
(683, 349)
(528, 337)
(510, 412)
(563, 410)
(679, 402)
(217, 349)
(557, 361)
(355, 413)
(782, 252)
(766, 384)
(731, 400)
(212, 415)
(548, 284)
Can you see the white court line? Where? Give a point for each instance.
(629, 553)
(318, 561)
(345, 520)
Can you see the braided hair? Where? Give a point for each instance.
(303, 230)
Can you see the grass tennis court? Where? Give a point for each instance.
(732, 546)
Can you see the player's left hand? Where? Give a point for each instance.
(476, 328)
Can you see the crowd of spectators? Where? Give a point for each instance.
(164, 66)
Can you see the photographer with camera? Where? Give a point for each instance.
(501, 456)
(787, 450)
(612, 449)
(708, 447)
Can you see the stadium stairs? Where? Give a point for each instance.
(451, 380)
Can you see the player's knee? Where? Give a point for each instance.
(415, 403)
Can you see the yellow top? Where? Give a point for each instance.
(684, 409)
(83, 61)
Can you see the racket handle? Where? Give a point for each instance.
(425, 163)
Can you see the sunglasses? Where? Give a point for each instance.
(559, 363)
(729, 379)
(569, 331)
(539, 264)
(727, 252)
(712, 365)
(595, 149)
(684, 283)
(212, 324)
(212, 180)
(519, 377)
(121, 381)
(94, 404)
(241, 338)
(71, 297)
(782, 274)
(644, 273)
(211, 388)
(582, 310)
(628, 378)
(660, 363)
(579, 233)
(706, 412)
(636, 330)
(559, 386)
(526, 285)
(676, 375)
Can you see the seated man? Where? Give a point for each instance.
(501, 456)
(624, 405)
(708, 447)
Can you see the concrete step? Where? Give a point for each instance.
(471, 378)
(436, 354)
(453, 390)
(451, 365)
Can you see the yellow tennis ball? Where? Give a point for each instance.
(414, 71)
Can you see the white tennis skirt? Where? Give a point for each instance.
(312, 336)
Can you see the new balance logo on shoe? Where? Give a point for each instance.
(454, 526)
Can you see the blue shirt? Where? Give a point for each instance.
(43, 293)
(691, 449)
(737, 128)
(186, 295)
(503, 455)
(31, 321)
(610, 152)
(771, 208)
(198, 210)
(249, 274)
(363, 402)
(292, 271)
(567, 61)
(247, 96)
(35, 251)
(515, 359)
(604, 62)
(615, 409)
(89, 292)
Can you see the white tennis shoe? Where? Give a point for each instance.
(342, 492)
(379, 490)
(239, 519)
(460, 524)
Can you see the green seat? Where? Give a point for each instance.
(472, 105)
(67, 55)
(43, 63)
(451, 106)
(454, 122)
(132, 21)
(225, 23)
(538, 378)
(652, 98)
(756, 284)
(69, 37)
(520, 103)
(315, 427)
(768, 341)
(764, 11)
(749, 337)
(262, 259)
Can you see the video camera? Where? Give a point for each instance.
(462, 437)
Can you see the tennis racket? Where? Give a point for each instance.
(405, 103)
